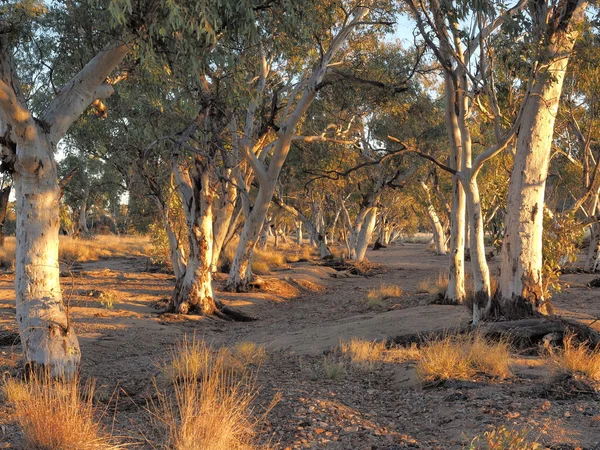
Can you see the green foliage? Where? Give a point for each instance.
(562, 236)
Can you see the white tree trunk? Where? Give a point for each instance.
(482, 300)
(46, 334)
(439, 239)
(223, 218)
(521, 284)
(240, 273)
(592, 260)
(365, 234)
(299, 232)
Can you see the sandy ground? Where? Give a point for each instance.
(304, 312)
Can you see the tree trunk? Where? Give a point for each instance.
(223, 218)
(439, 239)
(521, 288)
(46, 334)
(4, 196)
(299, 232)
(481, 275)
(365, 234)
(240, 273)
(592, 259)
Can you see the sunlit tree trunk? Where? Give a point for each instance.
(46, 334)
(521, 285)
(366, 231)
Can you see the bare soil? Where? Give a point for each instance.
(304, 312)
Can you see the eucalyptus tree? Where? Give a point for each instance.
(335, 22)
(459, 35)
(97, 37)
(555, 28)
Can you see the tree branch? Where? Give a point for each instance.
(88, 85)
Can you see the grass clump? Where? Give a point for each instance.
(376, 296)
(462, 357)
(503, 438)
(333, 370)
(249, 353)
(57, 415)
(576, 359)
(363, 353)
(436, 286)
(211, 404)
(260, 267)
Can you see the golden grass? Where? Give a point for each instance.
(249, 353)
(365, 354)
(437, 285)
(362, 352)
(56, 415)
(260, 268)
(384, 292)
(102, 246)
(503, 438)
(211, 406)
(576, 358)
(80, 250)
(462, 357)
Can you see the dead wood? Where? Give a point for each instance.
(522, 334)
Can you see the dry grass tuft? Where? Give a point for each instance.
(366, 353)
(384, 292)
(299, 253)
(576, 359)
(56, 415)
(274, 258)
(363, 353)
(436, 286)
(211, 407)
(462, 357)
(503, 438)
(249, 353)
(260, 268)
(333, 370)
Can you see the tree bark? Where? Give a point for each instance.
(521, 286)
(46, 334)
(365, 234)
(4, 196)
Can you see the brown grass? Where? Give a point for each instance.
(437, 285)
(56, 415)
(102, 246)
(384, 292)
(576, 359)
(462, 357)
(80, 250)
(365, 353)
(211, 405)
